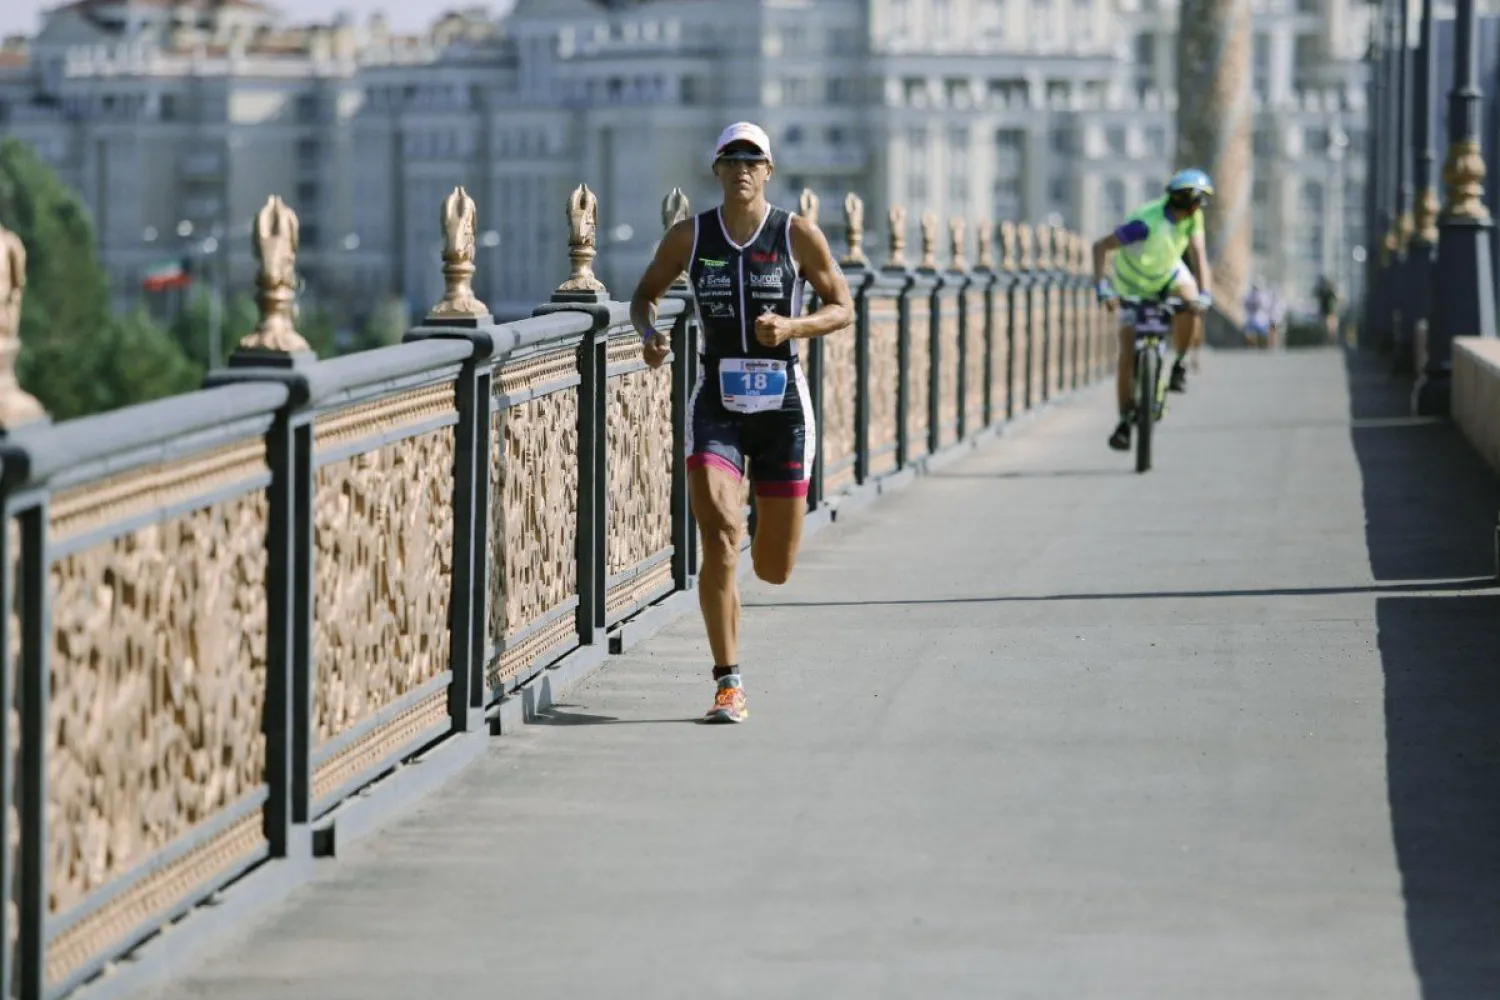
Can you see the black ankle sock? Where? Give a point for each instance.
(721, 672)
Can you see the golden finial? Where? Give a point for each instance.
(1464, 174)
(1427, 216)
(1024, 237)
(1008, 245)
(984, 235)
(956, 234)
(854, 229)
(17, 406)
(458, 219)
(1043, 247)
(896, 258)
(808, 203)
(674, 209)
(275, 237)
(929, 242)
(583, 226)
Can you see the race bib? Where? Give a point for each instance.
(750, 385)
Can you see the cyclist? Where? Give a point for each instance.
(745, 261)
(1147, 252)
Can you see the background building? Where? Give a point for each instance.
(1042, 110)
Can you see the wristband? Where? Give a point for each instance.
(646, 337)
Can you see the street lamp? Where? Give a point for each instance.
(185, 228)
(1464, 287)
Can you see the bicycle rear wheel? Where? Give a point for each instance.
(1147, 374)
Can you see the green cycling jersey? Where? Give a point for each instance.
(1151, 249)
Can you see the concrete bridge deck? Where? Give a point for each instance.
(1036, 727)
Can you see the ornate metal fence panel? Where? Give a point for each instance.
(137, 677)
(533, 531)
(840, 391)
(949, 364)
(885, 373)
(383, 505)
(639, 462)
(918, 369)
(975, 355)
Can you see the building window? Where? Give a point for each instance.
(1060, 190)
(793, 135)
(168, 107)
(1114, 139)
(916, 188)
(1156, 141)
(1262, 62)
(836, 135)
(942, 17)
(916, 141)
(1041, 19)
(307, 107)
(958, 190)
(1265, 142)
(1062, 139)
(992, 18)
(1114, 199)
(1145, 50)
(1308, 53)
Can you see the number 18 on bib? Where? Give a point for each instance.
(752, 385)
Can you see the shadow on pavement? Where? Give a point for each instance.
(1035, 474)
(1430, 508)
(557, 716)
(1420, 587)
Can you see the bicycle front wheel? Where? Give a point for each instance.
(1147, 374)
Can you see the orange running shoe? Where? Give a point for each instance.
(729, 701)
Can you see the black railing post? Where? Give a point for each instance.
(935, 365)
(33, 675)
(471, 488)
(962, 304)
(815, 375)
(684, 358)
(861, 292)
(903, 377)
(593, 457)
(290, 541)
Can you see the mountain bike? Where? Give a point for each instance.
(1152, 321)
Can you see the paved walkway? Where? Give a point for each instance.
(1035, 728)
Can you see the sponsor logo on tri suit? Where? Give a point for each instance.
(774, 293)
(712, 264)
(771, 279)
(760, 257)
(719, 310)
(715, 281)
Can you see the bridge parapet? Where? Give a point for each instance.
(234, 613)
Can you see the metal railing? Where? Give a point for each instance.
(230, 611)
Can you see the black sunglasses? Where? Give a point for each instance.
(743, 155)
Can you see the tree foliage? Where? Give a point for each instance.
(77, 358)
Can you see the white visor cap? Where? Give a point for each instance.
(743, 132)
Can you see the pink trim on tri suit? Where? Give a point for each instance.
(707, 459)
(797, 489)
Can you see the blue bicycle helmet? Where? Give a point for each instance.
(1191, 180)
